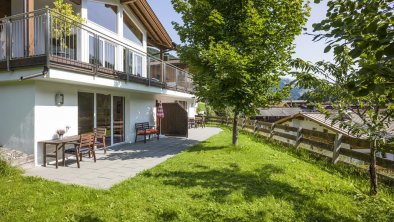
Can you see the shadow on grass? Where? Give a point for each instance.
(254, 185)
(340, 169)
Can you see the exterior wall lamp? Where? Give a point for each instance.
(59, 99)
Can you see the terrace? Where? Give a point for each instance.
(52, 40)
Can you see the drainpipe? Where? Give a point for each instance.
(44, 73)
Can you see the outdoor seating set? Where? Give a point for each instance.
(84, 144)
(197, 121)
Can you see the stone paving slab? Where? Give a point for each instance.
(121, 162)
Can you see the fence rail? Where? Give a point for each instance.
(326, 141)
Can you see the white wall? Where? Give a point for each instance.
(140, 108)
(49, 117)
(17, 116)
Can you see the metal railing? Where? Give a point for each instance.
(47, 33)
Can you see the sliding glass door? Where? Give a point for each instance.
(118, 125)
(107, 108)
(85, 112)
(103, 114)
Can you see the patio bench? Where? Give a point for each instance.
(143, 129)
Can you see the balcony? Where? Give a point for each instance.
(46, 38)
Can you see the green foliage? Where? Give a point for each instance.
(210, 111)
(361, 33)
(64, 20)
(358, 82)
(7, 170)
(201, 107)
(237, 49)
(212, 181)
(364, 30)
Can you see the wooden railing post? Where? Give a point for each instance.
(272, 131)
(243, 123)
(336, 148)
(48, 37)
(299, 138)
(8, 49)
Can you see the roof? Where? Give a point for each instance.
(327, 122)
(279, 111)
(157, 34)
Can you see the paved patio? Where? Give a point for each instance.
(122, 161)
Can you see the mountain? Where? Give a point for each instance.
(296, 92)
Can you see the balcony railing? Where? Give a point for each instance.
(45, 37)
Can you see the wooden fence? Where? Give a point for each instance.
(325, 141)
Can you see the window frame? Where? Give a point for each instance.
(126, 13)
(116, 30)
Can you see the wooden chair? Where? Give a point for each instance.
(192, 123)
(200, 121)
(85, 146)
(101, 133)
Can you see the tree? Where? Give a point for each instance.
(64, 21)
(361, 33)
(237, 49)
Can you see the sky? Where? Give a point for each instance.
(305, 49)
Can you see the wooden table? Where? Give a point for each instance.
(59, 144)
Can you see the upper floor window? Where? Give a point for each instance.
(130, 30)
(103, 14)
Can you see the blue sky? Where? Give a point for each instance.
(305, 47)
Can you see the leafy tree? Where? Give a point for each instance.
(64, 21)
(237, 49)
(361, 33)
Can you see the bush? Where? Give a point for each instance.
(6, 169)
(201, 107)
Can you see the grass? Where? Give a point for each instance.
(213, 181)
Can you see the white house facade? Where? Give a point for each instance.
(56, 73)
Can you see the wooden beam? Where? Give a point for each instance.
(30, 28)
(5, 9)
(127, 1)
(78, 2)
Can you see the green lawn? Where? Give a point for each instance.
(212, 181)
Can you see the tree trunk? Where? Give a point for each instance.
(372, 171)
(235, 129)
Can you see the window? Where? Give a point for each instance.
(103, 14)
(109, 56)
(130, 30)
(137, 65)
(128, 61)
(106, 53)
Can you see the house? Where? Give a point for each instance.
(318, 122)
(56, 73)
(274, 114)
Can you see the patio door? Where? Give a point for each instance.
(118, 117)
(103, 114)
(102, 111)
(85, 112)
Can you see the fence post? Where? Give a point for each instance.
(254, 126)
(243, 123)
(272, 131)
(336, 148)
(298, 139)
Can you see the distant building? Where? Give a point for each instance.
(276, 113)
(318, 122)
